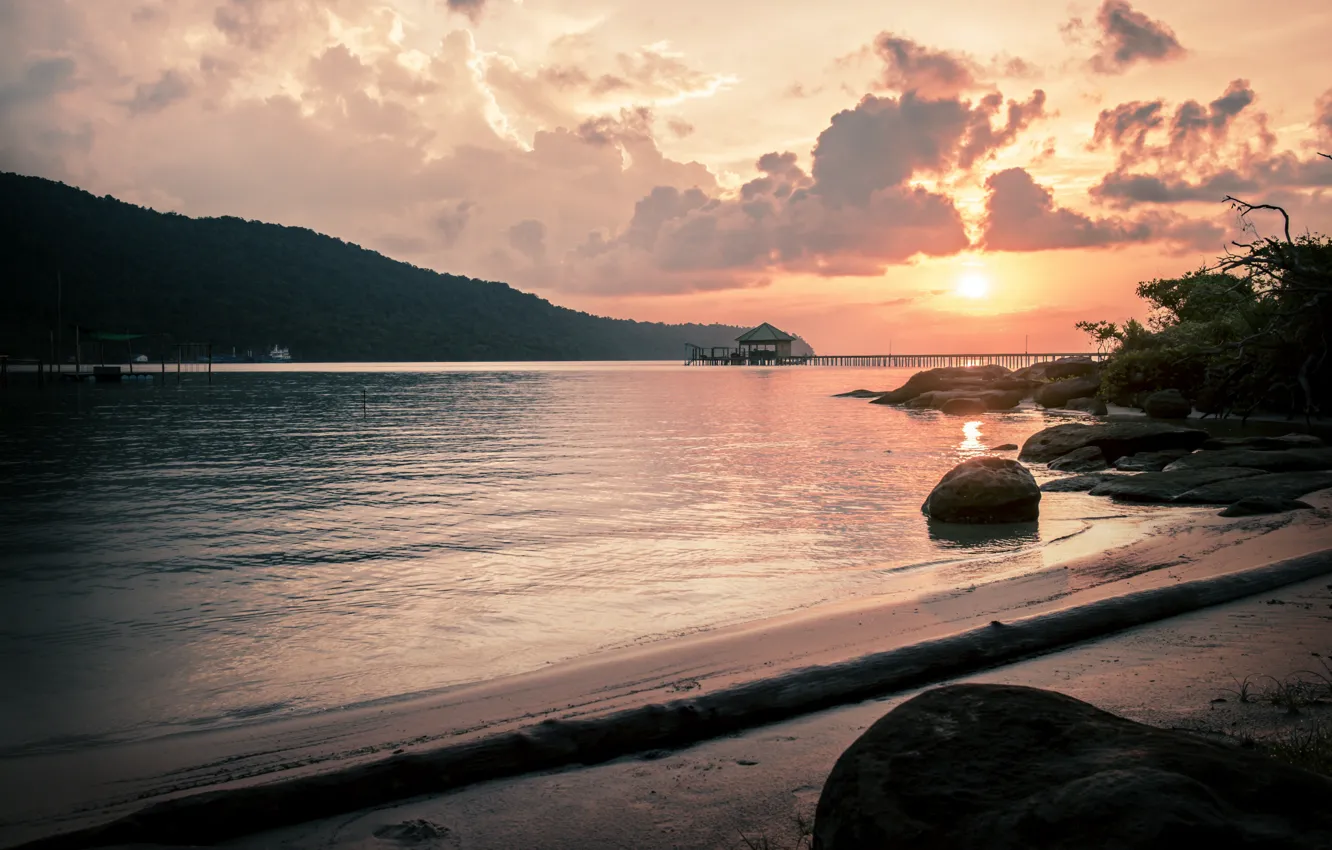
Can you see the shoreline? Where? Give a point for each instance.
(788, 662)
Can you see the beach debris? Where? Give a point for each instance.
(985, 490)
(1085, 459)
(1260, 505)
(1167, 486)
(1289, 460)
(1001, 766)
(1150, 461)
(1167, 404)
(410, 832)
(1115, 439)
(1279, 485)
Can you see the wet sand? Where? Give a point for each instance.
(791, 661)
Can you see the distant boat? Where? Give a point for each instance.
(141, 358)
(279, 355)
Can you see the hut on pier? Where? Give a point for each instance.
(765, 342)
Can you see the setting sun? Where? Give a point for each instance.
(973, 285)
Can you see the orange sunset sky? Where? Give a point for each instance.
(945, 175)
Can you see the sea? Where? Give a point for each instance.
(195, 552)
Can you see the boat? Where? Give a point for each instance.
(279, 355)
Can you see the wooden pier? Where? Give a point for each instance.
(698, 356)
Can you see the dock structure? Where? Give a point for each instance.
(766, 345)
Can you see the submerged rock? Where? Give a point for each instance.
(1001, 767)
(1006, 447)
(1085, 459)
(1061, 393)
(1167, 486)
(861, 394)
(1093, 405)
(1289, 460)
(963, 406)
(1277, 485)
(1115, 439)
(1266, 444)
(1259, 505)
(985, 490)
(1150, 461)
(1167, 404)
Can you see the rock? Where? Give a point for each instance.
(1150, 461)
(1071, 367)
(964, 406)
(1001, 767)
(985, 490)
(1259, 505)
(1115, 439)
(1276, 485)
(1085, 459)
(1006, 447)
(1091, 405)
(1021, 385)
(944, 378)
(1001, 399)
(1061, 393)
(1078, 483)
(1265, 444)
(861, 394)
(1167, 486)
(1167, 404)
(990, 399)
(1289, 460)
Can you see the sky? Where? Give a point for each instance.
(952, 176)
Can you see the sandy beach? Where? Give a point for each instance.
(1165, 673)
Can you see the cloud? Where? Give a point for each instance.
(156, 96)
(528, 237)
(912, 67)
(1200, 154)
(471, 8)
(451, 221)
(1322, 122)
(1021, 215)
(1128, 37)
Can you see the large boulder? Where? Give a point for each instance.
(1276, 485)
(1150, 461)
(1161, 487)
(1265, 444)
(1260, 505)
(1115, 439)
(1001, 767)
(1091, 405)
(1072, 367)
(964, 406)
(1060, 393)
(1001, 399)
(944, 378)
(1085, 459)
(1290, 460)
(985, 490)
(1167, 404)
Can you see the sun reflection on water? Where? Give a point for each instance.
(972, 443)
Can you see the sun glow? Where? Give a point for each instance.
(973, 285)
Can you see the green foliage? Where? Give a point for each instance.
(252, 285)
(1249, 333)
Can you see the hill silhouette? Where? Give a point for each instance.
(250, 285)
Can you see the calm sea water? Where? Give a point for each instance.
(283, 541)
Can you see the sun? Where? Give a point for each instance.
(973, 285)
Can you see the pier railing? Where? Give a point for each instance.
(703, 357)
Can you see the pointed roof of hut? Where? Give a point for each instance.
(765, 333)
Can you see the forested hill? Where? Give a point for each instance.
(252, 285)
